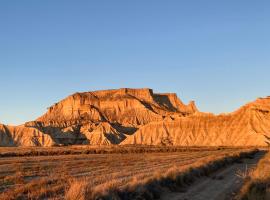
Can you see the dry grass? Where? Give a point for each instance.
(84, 149)
(257, 184)
(151, 187)
(78, 190)
(87, 176)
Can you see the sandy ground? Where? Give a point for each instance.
(222, 185)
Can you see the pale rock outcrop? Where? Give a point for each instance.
(102, 134)
(23, 136)
(173, 103)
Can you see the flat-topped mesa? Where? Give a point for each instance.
(145, 94)
(140, 116)
(126, 106)
(85, 117)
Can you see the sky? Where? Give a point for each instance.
(211, 51)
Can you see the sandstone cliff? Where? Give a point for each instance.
(140, 116)
(106, 117)
(129, 107)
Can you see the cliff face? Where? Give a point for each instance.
(129, 107)
(140, 116)
(105, 117)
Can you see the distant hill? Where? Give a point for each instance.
(248, 126)
(140, 116)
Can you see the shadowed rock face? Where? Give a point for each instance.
(104, 117)
(139, 116)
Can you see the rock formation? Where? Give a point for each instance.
(23, 136)
(100, 117)
(139, 116)
(248, 126)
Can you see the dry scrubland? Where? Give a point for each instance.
(123, 173)
(84, 149)
(257, 186)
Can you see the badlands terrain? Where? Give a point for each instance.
(142, 117)
(127, 144)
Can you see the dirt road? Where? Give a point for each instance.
(221, 185)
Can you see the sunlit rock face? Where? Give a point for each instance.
(99, 118)
(248, 126)
(128, 107)
(23, 136)
(140, 116)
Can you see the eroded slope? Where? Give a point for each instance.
(23, 136)
(248, 126)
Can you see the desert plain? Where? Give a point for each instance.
(137, 144)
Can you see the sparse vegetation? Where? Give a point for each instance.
(257, 184)
(111, 149)
(152, 187)
(126, 174)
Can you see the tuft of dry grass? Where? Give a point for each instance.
(257, 183)
(78, 190)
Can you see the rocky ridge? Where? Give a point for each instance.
(248, 126)
(140, 116)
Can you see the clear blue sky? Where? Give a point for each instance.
(214, 52)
